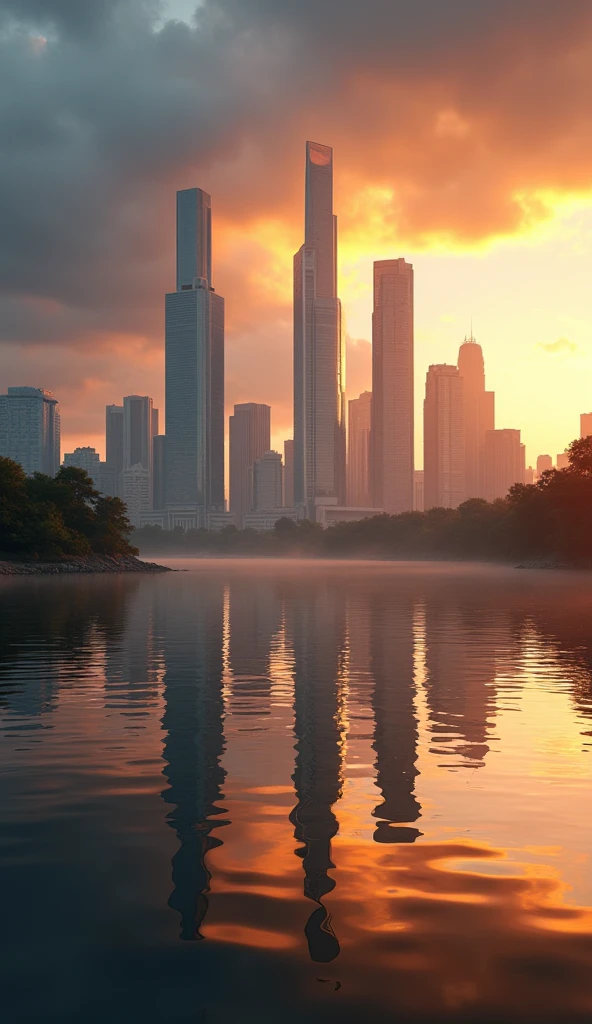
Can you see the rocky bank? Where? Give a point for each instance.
(80, 566)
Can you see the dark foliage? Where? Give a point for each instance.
(56, 517)
(551, 519)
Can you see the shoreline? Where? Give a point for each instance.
(94, 564)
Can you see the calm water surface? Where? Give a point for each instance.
(274, 791)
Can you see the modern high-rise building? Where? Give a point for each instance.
(87, 459)
(319, 354)
(504, 462)
(443, 438)
(358, 451)
(543, 463)
(250, 438)
(30, 429)
(392, 460)
(289, 473)
(194, 357)
(138, 424)
(585, 424)
(479, 415)
(114, 444)
(562, 460)
(267, 482)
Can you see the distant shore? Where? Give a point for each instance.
(81, 566)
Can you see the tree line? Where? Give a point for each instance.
(59, 517)
(550, 519)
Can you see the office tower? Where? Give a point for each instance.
(267, 482)
(289, 474)
(87, 459)
(443, 438)
(418, 502)
(392, 457)
(585, 424)
(194, 358)
(137, 455)
(529, 475)
(479, 406)
(562, 460)
(114, 444)
(250, 438)
(30, 429)
(154, 422)
(319, 355)
(544, 462)
(504, 462)
(358, 451)
(159, 471)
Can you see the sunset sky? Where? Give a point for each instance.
(462, 132)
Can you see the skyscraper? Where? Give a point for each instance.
(138, 424)
(194, 355)
(504, 462)
(267, 482)
(30, 429)
(250, 438)
(479, 415)
(392, 387)
(114, 444)
(289, 473)
(158, 471)
(544, 462)
(319, 358)
(443, 438)
(358, 451)
(585, 424)
(87, 459)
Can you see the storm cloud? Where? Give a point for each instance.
(462, 115)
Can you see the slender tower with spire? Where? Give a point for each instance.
(319, 362)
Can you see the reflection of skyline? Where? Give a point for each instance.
(315, 620)
(192, 634)
(395, 723)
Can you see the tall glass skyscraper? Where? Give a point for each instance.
(319, 357)
(392, 456)
(250, 438)
(30, 429)
(479, 415)
(194, 354)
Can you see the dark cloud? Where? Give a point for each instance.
(105, 110)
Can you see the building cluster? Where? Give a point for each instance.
(327, 474)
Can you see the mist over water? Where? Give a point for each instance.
(274, 790)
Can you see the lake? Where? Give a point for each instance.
(266, 790)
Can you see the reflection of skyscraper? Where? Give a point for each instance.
(194, 352)
(192, 641)
(395, 731)
(443, 438)
(358, 451)
(249, 438)
(316, 624)
(392, 387)
(319, 367)
(460, 676)
(479, 415)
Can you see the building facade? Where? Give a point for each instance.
(319, 354)
(585, 424)
(358, 450)
(159, 471)
(89, 460)
(479, 415)
(30, 429)
(250, 438)
(443, 438)
(114, 444)
(267, 482)
(392, 458)
(418, 499)
(504, 462)
(194, 365)
(543, 463)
